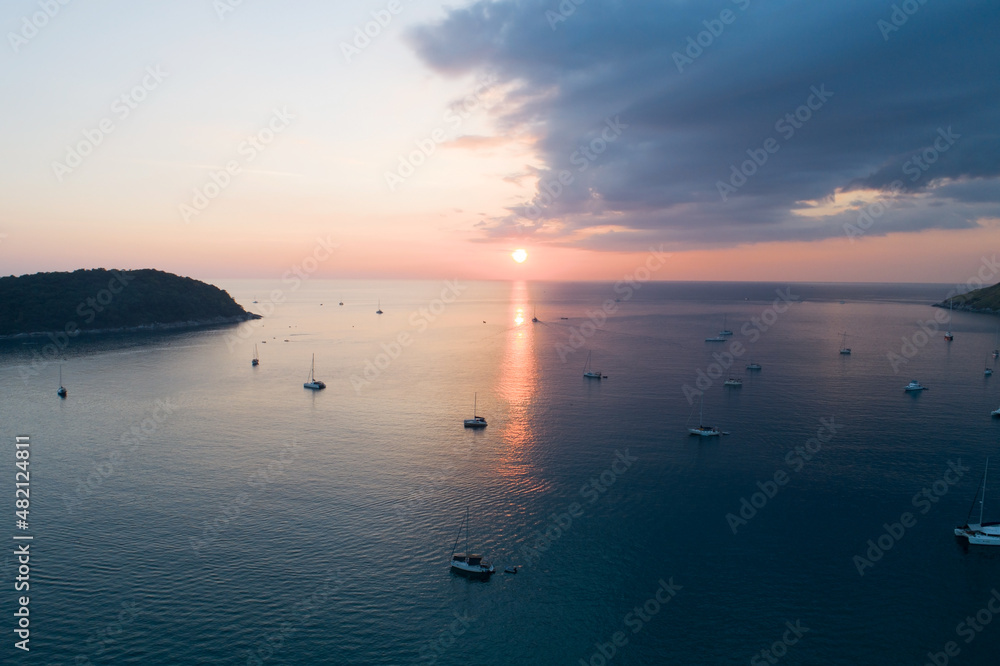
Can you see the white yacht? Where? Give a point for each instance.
(715, 339)
(466, 563)
(724, 331)
(753, 366)
(313, 383)
(914, 386)
(980, 534)
(704, 430)
(733, 381)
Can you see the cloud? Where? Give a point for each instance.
(702, 87)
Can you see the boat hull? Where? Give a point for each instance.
(315, 386)
(592, 375)
(475, 423)
(705, 432)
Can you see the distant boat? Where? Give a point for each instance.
(313, 383)
(468, 564)
(948, 336)
(733, 381)
(724, 331)
(534, 315)
(914, 386)
(341, 303)
(980, 534)
(475, 421)
(715, 339)
(256, 358)
(62, 392)
(588, 372)
(996, 344)
(379, 311)
(844, 349)
(995, 412)
(988, 370)
(753, 366)
(704, 430)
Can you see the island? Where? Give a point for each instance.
(100, 300)
(985, 300)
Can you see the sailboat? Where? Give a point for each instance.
(256, 358)
(948, 336)
(534, 314)
(62, 390)
(313, 383)
(467, 563)
(980, 534)
(724, 331)
(704, 430)
(996, 344)
(844, 349)
(475, 421)
(379, 311)
(588, 372)
(987, 371)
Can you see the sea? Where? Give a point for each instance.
(188, 508)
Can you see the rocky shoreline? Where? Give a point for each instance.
(143, 328)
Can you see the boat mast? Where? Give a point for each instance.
(982, 500)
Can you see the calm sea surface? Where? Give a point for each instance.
(189, 508)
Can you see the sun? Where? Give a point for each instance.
(519, 255)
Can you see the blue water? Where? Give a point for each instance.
(253, 517)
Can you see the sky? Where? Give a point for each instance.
(746, 139)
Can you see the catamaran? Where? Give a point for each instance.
(914, 386)
(704, 430)
(948, 336)
(588, 372)
(313, 383)
(844, 349)
(980, 534)
(466, 563)
(475, 421)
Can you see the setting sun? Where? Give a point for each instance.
(519, 255)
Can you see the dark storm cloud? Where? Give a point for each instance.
(823, 94)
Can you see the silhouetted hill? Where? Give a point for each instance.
(99, 299)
